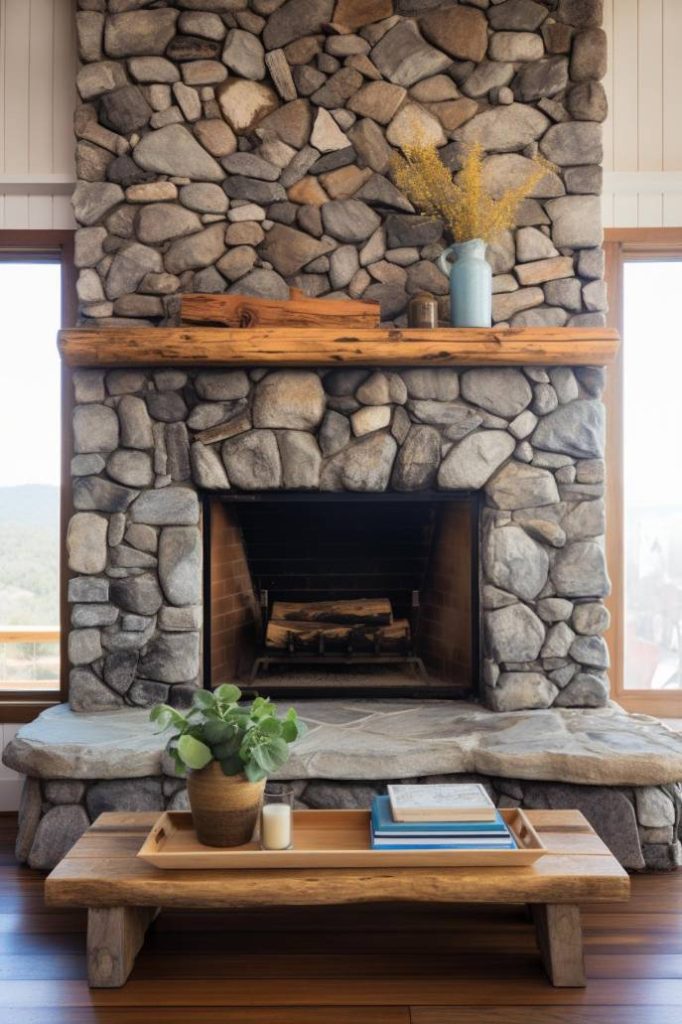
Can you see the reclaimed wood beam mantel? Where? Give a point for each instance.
(320, 346)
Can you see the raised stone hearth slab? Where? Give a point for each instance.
(381, 739)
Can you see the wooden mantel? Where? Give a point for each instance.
(326, 346)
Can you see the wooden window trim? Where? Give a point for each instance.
(623, 245)
(58, 247)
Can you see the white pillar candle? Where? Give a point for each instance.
(276, 826)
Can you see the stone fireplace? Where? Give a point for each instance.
(378, 462)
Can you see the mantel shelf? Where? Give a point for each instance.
(324, 346)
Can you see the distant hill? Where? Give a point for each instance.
(29, 555)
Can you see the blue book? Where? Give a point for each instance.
(384, 827)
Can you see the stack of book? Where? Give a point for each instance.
(442, 817)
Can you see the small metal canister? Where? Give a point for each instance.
(422, 310)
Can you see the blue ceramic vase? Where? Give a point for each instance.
(471, 283)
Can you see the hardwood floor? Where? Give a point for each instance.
(374, 965)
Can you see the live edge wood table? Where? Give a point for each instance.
(123, 894)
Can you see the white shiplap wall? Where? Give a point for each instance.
(643, 135)
(38, 66)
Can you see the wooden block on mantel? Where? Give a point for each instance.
(298, 311)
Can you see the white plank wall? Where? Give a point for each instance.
(643, 135)
(38, 65)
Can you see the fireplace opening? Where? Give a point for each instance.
(328, 594)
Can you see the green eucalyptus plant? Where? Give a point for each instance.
(249, 739)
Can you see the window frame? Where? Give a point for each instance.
(621, 246)
(48, 246)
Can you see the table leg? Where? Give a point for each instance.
(560, 939)
(115, 935)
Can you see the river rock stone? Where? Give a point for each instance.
(460, 31)
(86, 543)
(518, 486)
(94, 80)
(590, 619)
(504, 392)
(504, 129)
(403, 57)
(170, 506)
(289, 398)
(301, 460)
(124, 110)
(197, 250)
(289, 250)
(584, 691)
(349, 220)
(244, 54)
(364, 465)
(579, 570)
(171, 658)
(589, 55)
(514, 633)
(378, 100)
(137, 594)
(88, 693)
(159, 222)
(577, 142)
(95, 429)
(517, 16)
(417, 462)
(139, 33)
(295, 19)
(173, 150)
(207, 469)
(180, 559)
(92, 200)
(576, 429)
(590, 651)
(515, 563)
(541, 78)
(576, 221)
(57, 831)
(517, 691)
(252, 461)
(132, 468)
(472, 462)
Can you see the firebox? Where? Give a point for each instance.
(329, 593)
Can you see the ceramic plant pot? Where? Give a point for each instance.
(471, 283)
(225, 808)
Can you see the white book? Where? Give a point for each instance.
(467, 801)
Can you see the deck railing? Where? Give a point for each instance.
(29, 658)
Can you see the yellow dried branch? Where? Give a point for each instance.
(464, 204)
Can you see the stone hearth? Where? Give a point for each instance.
(620, 770)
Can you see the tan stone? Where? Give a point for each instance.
(308, 191)
(412, 122)
(326, 134)
(435, 90)
(545, 270)
(378, 100)
(460, 31)
(453, 113)
(152, 192)
(216, 136)
(245, 103)
(356, 13)
(345, 181)
(506, 304)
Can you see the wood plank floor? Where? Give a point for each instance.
(374, 965)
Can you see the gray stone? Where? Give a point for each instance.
(301, 460)
(577, 142)
(136, 426)
(252, 460)
(579, 570)
(545, 399)
(119, 670)
(558, 641)
(378, 100)
(144, 538)
(392, 299)
(532, 245)
(380, 388)
(93, 493)
(576, 221)
(289, 250)
(84, 646)
(158, 222)
(124, 795)
(588, 102)
(440, 384)
(173, 150)
(254, 190)
(224, 385)
(370, 418)
(236, 262)
(654, 807)
(518, 486)
(458, 418)
(589, 55)
(87, 465)
(369, 147)
(171, 658)
(576, 429)
(137, 594)
(504, 392)
(417, 462)
(295, 19)
(591, 651)
(95, 429)
(86, 543)
(338, 88)
(489, 74)
(517, 691)
(516, 46)
(139, 33)
(84, 589)
(334, 434)
(129, 266)
(131, 468)
(504, 129)
(96, 79)
(124, 110)
(171, 506)
(64, 791)
(204, 198)
(91, 201)
(88, 693)
(207, 469)
(87, 615)
(179, 620)
(585, 519)
(515, 563)
(514, 633)
(472, 462)
(364, 465)
(289, 398)
(349, 220)
(343, 266)
(180, 561)
(590, 619)
(88, 385)
(244, 55)
(541, 78)
(195, 251)
(584, 691)
(264, 283)
(403, 57)
(169, 407)
(517, 16)
(153, 69)
(55, 834)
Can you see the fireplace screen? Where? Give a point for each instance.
(332, 593)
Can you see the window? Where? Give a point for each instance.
(31, 296)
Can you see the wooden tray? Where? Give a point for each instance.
(326, 839)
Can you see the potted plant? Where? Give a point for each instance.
(471, 216)
(229, 749)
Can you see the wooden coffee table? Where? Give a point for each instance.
(123, 894)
